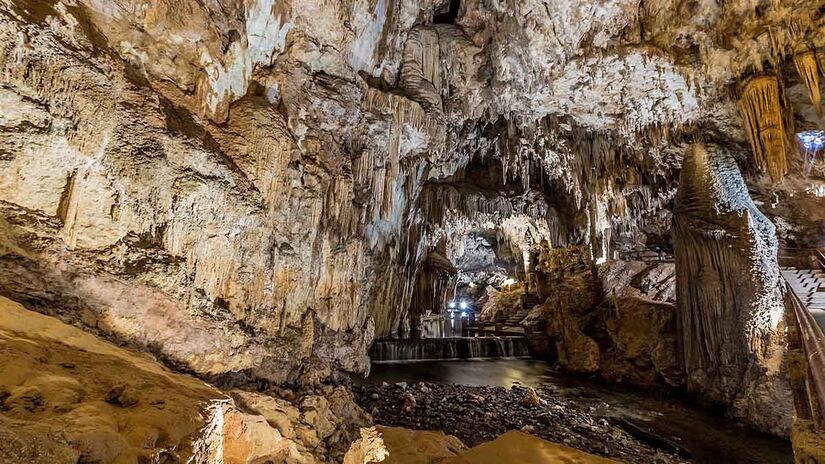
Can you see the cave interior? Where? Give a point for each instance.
(412, 231)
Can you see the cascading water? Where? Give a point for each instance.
(449, 348)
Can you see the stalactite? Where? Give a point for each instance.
(68, 207)
(760, 108)
(807, 68)
(405, 112)
(420, 75)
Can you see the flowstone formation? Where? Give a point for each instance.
(254, 190)
(730, 321)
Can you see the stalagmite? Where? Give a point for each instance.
(728, 289)
(762, 114)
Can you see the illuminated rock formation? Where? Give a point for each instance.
(729, 292)
(763, 118)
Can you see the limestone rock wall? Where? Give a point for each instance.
(616, 320)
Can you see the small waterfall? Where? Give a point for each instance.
(449, 348)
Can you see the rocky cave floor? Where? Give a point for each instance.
(631, 428)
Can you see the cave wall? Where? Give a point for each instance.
(729, 292)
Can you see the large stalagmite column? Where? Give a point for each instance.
(729, 292)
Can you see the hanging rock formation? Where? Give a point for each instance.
(729, 292)
(763, 117)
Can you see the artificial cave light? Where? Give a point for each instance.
(810, 144)
(463, 305)
(812, 141)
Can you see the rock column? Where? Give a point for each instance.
(729, 293)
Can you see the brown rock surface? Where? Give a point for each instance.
(66, 395)
(396, 445)
(54, 389)
(515, 446)
(642, 337)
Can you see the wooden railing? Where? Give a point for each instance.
(646, 255)
(819, 256)
(802, 258)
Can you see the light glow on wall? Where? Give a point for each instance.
(811, 141)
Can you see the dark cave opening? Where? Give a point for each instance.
(450, 15)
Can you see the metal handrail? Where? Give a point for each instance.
(813, 346)
(819, 255)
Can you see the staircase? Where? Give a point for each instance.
(809, 286)
(527, 302)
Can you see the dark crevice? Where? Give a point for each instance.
(66, 197)
(449, 16)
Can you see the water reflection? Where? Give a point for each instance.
(501, 372)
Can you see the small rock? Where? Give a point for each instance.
(531, 398)
(409, 401)
(528, 429)
(122, 395)
(374, 396)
